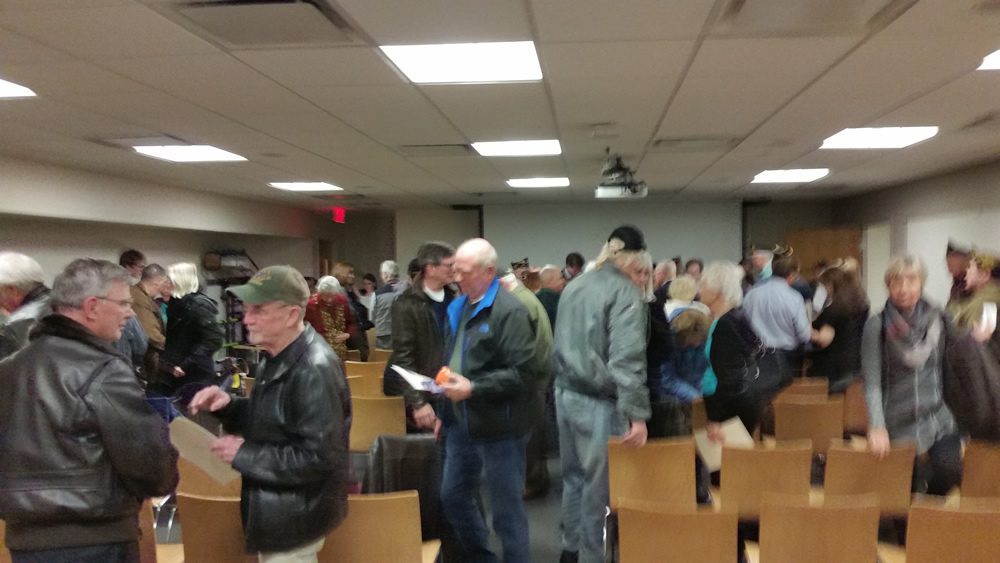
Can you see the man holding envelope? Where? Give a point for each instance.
(289, 438)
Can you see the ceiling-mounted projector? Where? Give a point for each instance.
(618, 181)
(626, 191)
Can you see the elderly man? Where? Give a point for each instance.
(151, 284)
(382, 309)
(491, 354)
(419, 319)
(81, 447)
(663, 275)
(600, 366)
(289, 437)
(24, 296)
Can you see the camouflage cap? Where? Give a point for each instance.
(274, 283)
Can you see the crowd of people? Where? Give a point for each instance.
(615, 349)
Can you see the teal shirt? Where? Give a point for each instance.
(709, 382)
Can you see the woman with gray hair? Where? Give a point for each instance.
(902, 360)
(732, 350)
(329, 312)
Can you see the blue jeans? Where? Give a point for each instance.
(585, 424)
(127, 552)
(504, 461)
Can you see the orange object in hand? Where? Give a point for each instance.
(442, 376)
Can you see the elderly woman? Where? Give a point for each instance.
(902, 360)
(193, 335)
(732, 350)
(329, 312)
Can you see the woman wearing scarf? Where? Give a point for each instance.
(902, 359)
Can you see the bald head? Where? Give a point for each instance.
(479, 250)
(552, 278)
(475, 267)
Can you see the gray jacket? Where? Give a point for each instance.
(599, 349)
(382, 314)
(14, 331)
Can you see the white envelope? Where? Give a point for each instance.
(711, 452)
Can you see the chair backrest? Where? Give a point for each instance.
(147, 534)
(855, 408)
(661, 471)
(662, 533)
(365, 369)
(370, 337)
(374, 416)
(843, 529)
(4, 553)
(981, 474)
(749, 473)
(212, 527)
(851, 471)
(378, 527)
(968, 532)
(699, 417)
(353, 356)
(194, 481)
(379, 355)
(248, 383)
(819, 419)
(364, 386)
(807, 386)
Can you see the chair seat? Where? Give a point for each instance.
(169, 553)
(890, 553)
(429, 551)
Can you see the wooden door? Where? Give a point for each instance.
(813, 245)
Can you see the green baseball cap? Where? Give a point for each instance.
(274, 283)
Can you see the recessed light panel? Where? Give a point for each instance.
(991, 61)
(538, 182)
(189, 153)
(518, 148)
(514, 61)
(879, 137)
(11, 90)
(306, 186)
(790, 176)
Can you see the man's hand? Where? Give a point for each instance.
(715, 432)
(424, 416)
(225, 448)
(982, 332)
(458, 388)
(177, 372)
(210, 399)
(878, 442)
(636, 435)
(342, 337)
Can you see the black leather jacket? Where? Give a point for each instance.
(79, 445)
(193, 337)
(417, 342)
(294, 461)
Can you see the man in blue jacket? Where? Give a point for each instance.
(490, 352)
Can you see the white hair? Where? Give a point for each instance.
(329, 284)
(184, 276)
(389, 270)
(901, 265)
(20, 271)
(668, 266)
(726, 278)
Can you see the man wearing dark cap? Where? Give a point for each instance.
(289, 438)
(599, 361)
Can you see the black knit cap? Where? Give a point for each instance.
(631, 236)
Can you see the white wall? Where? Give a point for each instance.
(547, 233)
(876, 249)
(418, 225)
(927, 237)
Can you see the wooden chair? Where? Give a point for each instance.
(353, 356)
(362, 386)
(370, 337)
(213, 530)
(374, 416)
(808, 386)
(380, 527)
(749, 473)
(366, 369)
(981, 476)
(819, 419)
(842, 530)
(248, 383)
(855, 408)
(967, 533)
(662, 533)
(661, 471)
(699, 418)
(379, 355)
(852, 471)
(4, 552)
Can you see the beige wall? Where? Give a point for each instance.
(416, 226)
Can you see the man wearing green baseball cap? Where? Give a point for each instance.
(289, 438)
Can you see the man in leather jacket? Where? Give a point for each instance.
(24, 295)
(289, 438)
(80, 445)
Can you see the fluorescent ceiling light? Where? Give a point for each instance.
(790, 176)
(11, 90)
(991, 61)
(518, 148)
(538, 182)
(514, 61)
(879, 137)
(306, 186)
(189, 153)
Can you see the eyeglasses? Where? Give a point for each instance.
(123, 303)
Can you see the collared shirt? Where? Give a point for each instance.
(777, 314)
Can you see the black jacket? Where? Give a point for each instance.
(733, 357)
(294, 461)
(14, 331)
(79, 445)
(498, 354)
(417, 342)
(193, 337)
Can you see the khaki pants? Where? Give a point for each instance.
(304, 554)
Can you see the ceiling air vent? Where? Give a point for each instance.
(435, 150)
(258, 24)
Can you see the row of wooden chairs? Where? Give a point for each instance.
(839, 530)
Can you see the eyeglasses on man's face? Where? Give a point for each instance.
(123, 303)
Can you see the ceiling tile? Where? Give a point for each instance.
(342, 66)
(418, 22)
(600, 20)
(496, 112)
